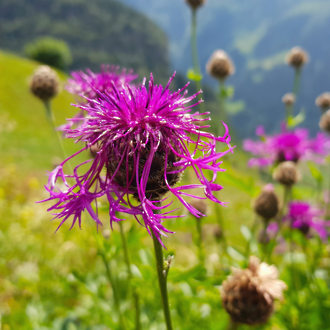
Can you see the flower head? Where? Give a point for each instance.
(88, 84)
(248, 295)
(220, 65)
(289, 99)
(304, 217)
(142, 136)
(195, 3)
(287, 146)
(267, 204)
(44, 83)
(297, 57)
(323, 101)
(287, 173)
(325, 122)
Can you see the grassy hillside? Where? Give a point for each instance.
(26, 137)
(100, 31)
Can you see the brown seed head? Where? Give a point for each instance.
(156, 185)
(325, 122)
(289, 99)
(220, 65)
(44, 83)
(195, 3)
(200, 205)
(297, 57)
(248, 295)
(267, 204)
(323, 101)
(217, 233)
(287, 173)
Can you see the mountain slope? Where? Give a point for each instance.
(99, 31)
(257, 34)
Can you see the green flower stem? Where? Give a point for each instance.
(162, 280)
(200, 239)
(51, 119)
(128, 264)
(194, 51)
(296, 82)
(328, 202)
(114, 289)
(223, 240)
(222, 98)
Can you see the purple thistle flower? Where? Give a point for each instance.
(144, 138)
(287, 146)
(303, 216)
(87, 84)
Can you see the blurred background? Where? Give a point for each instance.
(57, 281)
(154, 35)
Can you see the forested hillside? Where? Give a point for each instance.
(98, 31)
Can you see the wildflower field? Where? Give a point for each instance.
(125, 204)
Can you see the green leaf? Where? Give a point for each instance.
(235, 254)
(295, 121)
(246, 232)
(317, 175)
(197, 272)
(192, 75)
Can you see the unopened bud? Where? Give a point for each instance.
(106, 233)
(323, 101)
(325, 122)
(287, 173)
(289, 99)
(195, 3)
(220, 65)
(44, 83)
(297, 57)
(217, 233)
(94, 149)
(267, 204)
(200, 205)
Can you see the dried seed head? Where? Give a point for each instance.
(325, 122)
(248, 295)
(200, 205)
(287, 173)
(156, 185)
(217, 233)
(289, 99)
(297, 57)
(267, 204)
(44, 83)
(323, 101)
(220, 65)
(195, 3)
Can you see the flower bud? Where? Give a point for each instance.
(323, 101)
(297, 57)
(325, 122)
(200, 206)
(94, 149)
(289, 99)
(195, 3)
(44, 83)
(267, 204)
(217, 233)
(248, 294)
(287, 173)
(220, 65)
(106, 233)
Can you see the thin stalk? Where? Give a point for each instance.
(51, 119)
(223, 240)
(296, 82)
(328, 202)
(248, 245)
(128, 264)
(200, 239)
(114, 290)
(194, 51)
(233, 325)
(162, 281)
